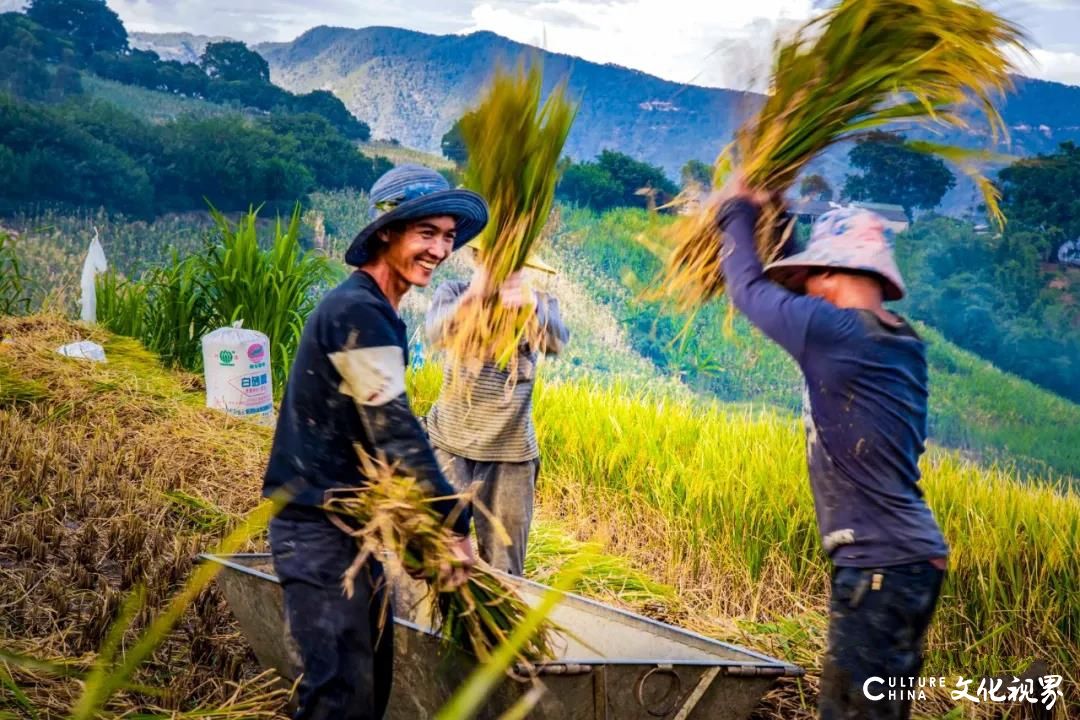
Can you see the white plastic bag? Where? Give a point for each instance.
(94, 265)
(84, 350)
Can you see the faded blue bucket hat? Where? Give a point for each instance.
(844, 239)
(410, 192)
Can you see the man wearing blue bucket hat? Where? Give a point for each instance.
(347, 388)
(865, 411)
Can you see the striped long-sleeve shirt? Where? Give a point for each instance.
(493, 422)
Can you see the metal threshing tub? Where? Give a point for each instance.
(618, 665)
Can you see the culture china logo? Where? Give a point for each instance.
(1044, 690)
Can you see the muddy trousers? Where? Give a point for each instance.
(345, 648)
(878, 619)
(506, 490)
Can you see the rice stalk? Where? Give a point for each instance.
(469, 697)
(88, 452)
(859, 66)
(107, 676)
(514, 143)
(392, 518)
(8, 683)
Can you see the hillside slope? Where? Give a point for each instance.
(412, 86)
(975, 407)
(181, 46)
(991, 415)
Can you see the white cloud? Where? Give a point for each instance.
(1063, 66)
(1054, 4)
(257, 20)
(721, 44)
(681, 40)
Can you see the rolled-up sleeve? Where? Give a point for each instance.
(554, 333)
(443, 305)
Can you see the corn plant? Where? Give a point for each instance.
(14, 283)
(272, 290)
(180, 313)
(168, 310)
(121, 304)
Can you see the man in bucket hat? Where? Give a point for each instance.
(347, 388)
(483, 430)
(865, 411)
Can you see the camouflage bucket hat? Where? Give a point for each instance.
(851, 239)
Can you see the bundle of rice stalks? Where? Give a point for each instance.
(863, 64)
(393, 520)
(514, 144)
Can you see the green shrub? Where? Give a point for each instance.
(168, 309)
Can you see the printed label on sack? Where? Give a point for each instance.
(253, 382)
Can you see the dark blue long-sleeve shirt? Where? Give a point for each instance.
(347, 388)
(865, 409)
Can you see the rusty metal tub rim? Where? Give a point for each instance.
(764, 667)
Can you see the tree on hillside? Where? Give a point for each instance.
(990, 295)
(231, 162)
(20, 34)
(45, 156)
(233, 61)
(590, 185)
(24, 52)
(453, 145)
(894, 173)
(330, 106)
(1043, 193)
(334, 161)
(697, 172)
(815, 187)
(614, 179)
(90, 24)
(634, 175)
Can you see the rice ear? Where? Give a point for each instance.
(861, 65)
(394, 520)
(514, 142)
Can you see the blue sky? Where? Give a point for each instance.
(710, 42)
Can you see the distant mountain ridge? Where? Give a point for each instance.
(182, 47)
(411, 86)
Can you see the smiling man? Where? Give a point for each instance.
(346, 390)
